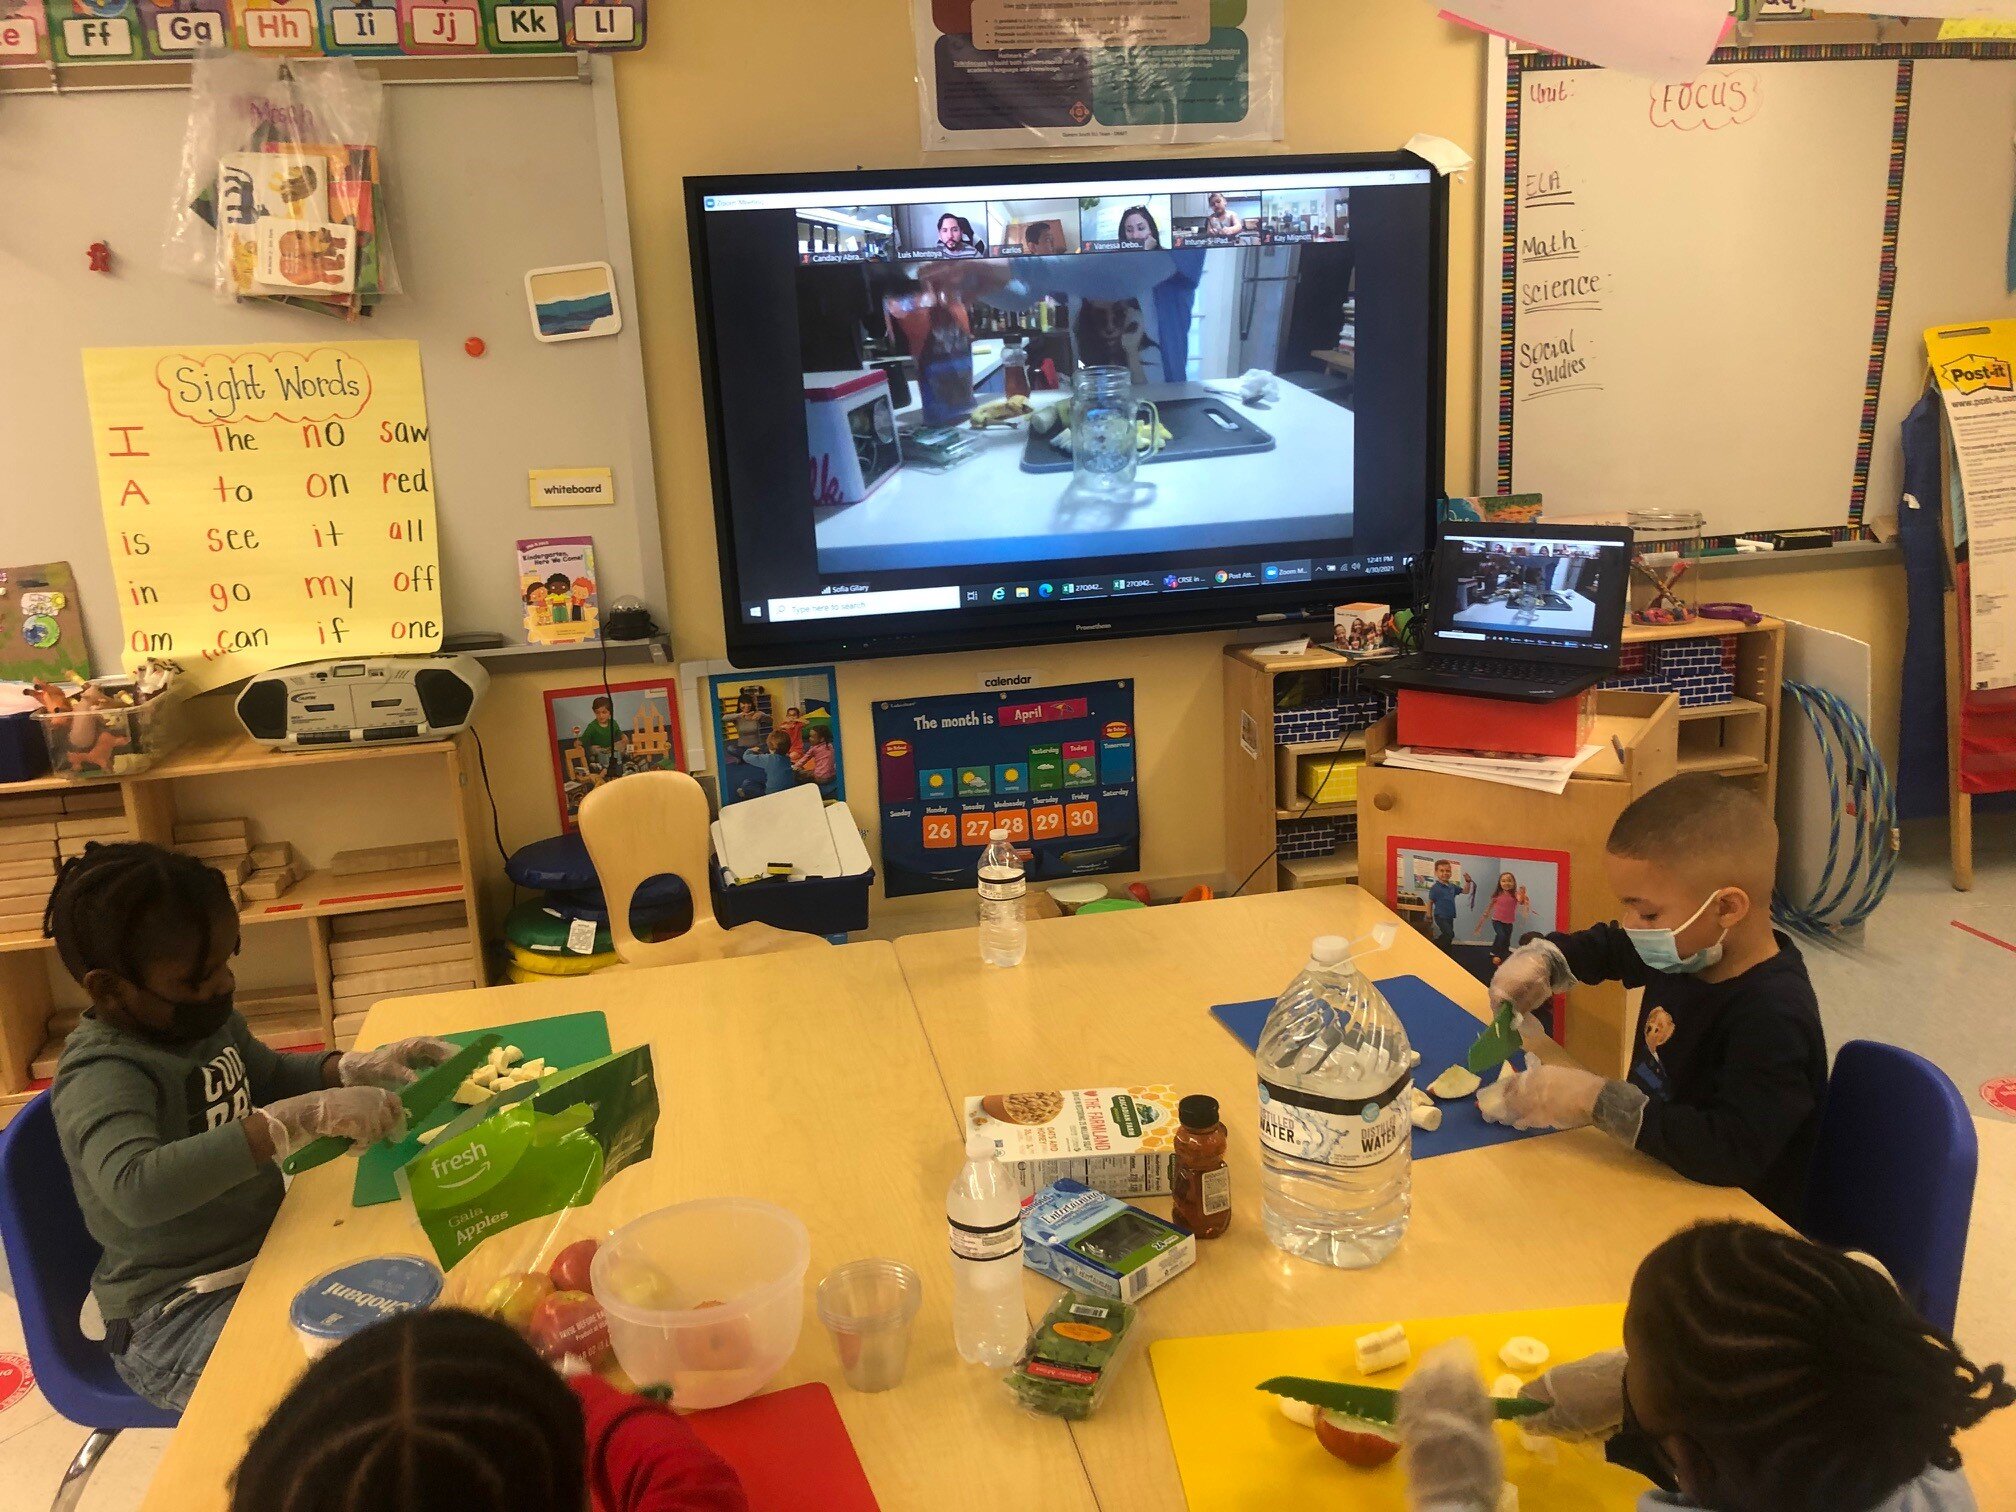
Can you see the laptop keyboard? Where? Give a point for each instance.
(1509, 671)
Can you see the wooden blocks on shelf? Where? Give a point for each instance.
(377, 858)
(405, 952)
(28, 860)
(261, 872)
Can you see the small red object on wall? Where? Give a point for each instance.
(101, 257)
(474, 346)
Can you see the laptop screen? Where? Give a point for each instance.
(1552, 590)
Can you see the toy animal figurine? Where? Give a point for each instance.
(1667, 607)
(93, 739)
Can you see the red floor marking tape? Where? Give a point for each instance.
(2000, 1092)
(17, 1379)
(1982, 934)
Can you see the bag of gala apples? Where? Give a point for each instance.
(513, 1199)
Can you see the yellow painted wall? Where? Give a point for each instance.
(808, 85)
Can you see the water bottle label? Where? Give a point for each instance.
(1332, 1131)
(971, 1243)
(1004, 890)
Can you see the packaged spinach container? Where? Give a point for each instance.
(1072, 1355)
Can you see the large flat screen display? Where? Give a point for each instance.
(960, 408)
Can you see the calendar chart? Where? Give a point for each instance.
(1055, 767)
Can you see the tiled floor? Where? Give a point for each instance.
(1916, 980)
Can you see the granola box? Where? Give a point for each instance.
(1116, 1140)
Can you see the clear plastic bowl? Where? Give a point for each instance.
(707, 1297)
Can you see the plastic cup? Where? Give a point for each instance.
(867, 1307)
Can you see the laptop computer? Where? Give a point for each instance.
(1525, 612)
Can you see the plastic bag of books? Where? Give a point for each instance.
(280, 194)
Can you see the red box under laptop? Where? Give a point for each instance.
(1465, 722)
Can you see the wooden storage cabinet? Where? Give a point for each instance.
(430, 787)
(1279, 709)
(1637, 735)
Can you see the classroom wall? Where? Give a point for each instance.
(833, 87)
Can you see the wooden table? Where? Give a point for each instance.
(1119, 999)
(834, 1091)
(805, 1083)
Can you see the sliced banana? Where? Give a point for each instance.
(1522, 1352)
(1426, 1116)
(1506, 1386)
(1302, 1414)
(1387, 1349)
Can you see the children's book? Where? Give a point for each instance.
(556, 582)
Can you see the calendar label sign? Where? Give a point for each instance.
(947, 764)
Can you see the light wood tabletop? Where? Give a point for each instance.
(808, 1085)
(1122, 999)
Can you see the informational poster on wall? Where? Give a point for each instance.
(1055, 767)
(266, 505)
(1050, 73)
(1975, 370)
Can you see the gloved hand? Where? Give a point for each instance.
(1585, 1399)
(1530, 976)
(1452, 1452)
(1544, 1097)
(392, 1065)
(363, 1115)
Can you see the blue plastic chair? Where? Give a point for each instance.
(1893, 1173)
(51, 1256)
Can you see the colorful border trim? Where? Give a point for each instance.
(1508, 273)
(1886, 290)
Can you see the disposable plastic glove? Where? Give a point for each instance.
(392, 1065)
(1585, 1399)
(1545, 1097)
(1530, 976)
(1453, 1458)
(363, 1115)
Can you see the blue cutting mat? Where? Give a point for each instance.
(1436, 1027)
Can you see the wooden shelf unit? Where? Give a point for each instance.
(437, 777)
(1737, 738)
(1260, 772)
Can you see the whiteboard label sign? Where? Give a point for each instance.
(1009, 682)
(572, 487)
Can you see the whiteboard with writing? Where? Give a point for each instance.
(266, 505)
(1710, 295)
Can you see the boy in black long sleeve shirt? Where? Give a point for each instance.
(1729, 1065)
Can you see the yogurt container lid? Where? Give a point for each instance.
(352, 1297)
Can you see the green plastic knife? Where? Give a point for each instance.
(1376, 1404)
(1497, 1044)
(419, 1097)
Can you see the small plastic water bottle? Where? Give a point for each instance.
(983, 1212)
(1003, 934)
(1336, 1128)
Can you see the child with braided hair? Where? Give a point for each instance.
(1761, 1373)
(448, 1411)
(172, 1117)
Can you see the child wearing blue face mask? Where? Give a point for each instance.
(172, 1117)
(1729, 1065)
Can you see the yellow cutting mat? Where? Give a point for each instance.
(1237, 1453)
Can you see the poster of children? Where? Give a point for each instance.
(1477, 904)
(775, 730)
(599, 733)
(556, 582)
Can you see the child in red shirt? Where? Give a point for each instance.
(447, 1411)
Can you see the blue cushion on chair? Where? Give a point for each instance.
(557, 864)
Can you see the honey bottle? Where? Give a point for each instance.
(1201, 1182)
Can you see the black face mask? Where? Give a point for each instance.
(192, 1021)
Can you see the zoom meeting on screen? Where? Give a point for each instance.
(895, 382)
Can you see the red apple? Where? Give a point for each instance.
(514, 1297)
(570, 1323)
(719, 1346)
(570, 1267)
(1355, 1441)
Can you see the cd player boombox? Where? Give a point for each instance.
(370, 701)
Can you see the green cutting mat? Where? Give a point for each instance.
(564, 1042)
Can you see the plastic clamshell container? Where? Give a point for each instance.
(706, 1297)
(117, 742)
(350, 1298)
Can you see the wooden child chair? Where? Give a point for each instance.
(650, 824)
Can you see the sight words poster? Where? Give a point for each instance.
(266, 505)
(1046, 73)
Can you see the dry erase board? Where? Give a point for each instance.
(485, 181)
(1712, 295)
